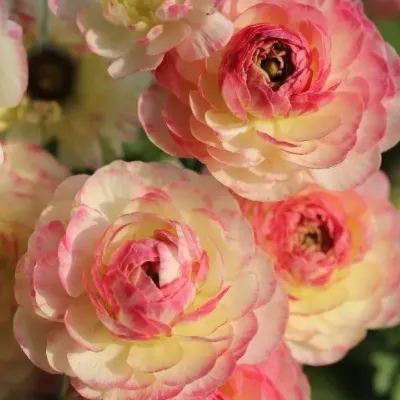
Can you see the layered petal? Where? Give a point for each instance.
(149, 285)
(145, 32)
(28, 177)
(287, 101)
(337, 255)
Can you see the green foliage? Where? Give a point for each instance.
(390, 29)
(192, 164)
(386, 362)
(144, 150)
(326, 385)
(386, 365)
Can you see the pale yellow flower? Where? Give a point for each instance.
(71, 98)
(28, 177)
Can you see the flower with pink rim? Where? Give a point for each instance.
(338, 255)
(28, 176)
(299, 94)
(279, 377)
(143, 281)
(136, 34)
(13, 66)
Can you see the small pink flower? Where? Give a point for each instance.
(13, 66)
(143, 282)
(277, 378)
(337, 254)
(300, 94)
(28, 176)
(136, 35)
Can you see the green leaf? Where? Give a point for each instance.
(396, 390)
(326, 385)
(390, 29)
(387, 367)
(192, 164)
(143, 150)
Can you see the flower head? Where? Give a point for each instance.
(13, 68)
(143, 281)
(287, 101)
(279, 377)
(337, 254)
(135, 34)
(90, 122)
(28, 177)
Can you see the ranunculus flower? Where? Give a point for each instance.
(143, 282)
(70, 97)
(338, 256)
(135, 35)
(305, 91)
(13, 68)
(28, 176)
(279, 377)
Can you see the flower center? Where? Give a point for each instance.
(130, 12)
(276, 62)
(52, 74)
(152, 270)
(316, 238)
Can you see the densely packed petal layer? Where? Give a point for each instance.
(13, 66)
(277, 378)
(28, 176)
(143, 282)
(135, 35)
(338, 255)
(305, 91)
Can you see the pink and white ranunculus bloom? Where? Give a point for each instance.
(279, 377)
(338, 256)
(143, 281)
(305, 91)
(13, 66)
(135, 35)
(28, 176)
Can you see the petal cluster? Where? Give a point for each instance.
(13, 67)
(28, 177)
(279, 377)
(136, 34)
(337, 254)
(143, 281)
(289, 100)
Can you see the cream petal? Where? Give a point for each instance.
(13, 69)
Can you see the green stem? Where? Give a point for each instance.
(43, 22)
(64, 388)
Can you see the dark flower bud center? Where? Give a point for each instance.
(151, 269)
(52, 74)
(318, 238)
(276, 61)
